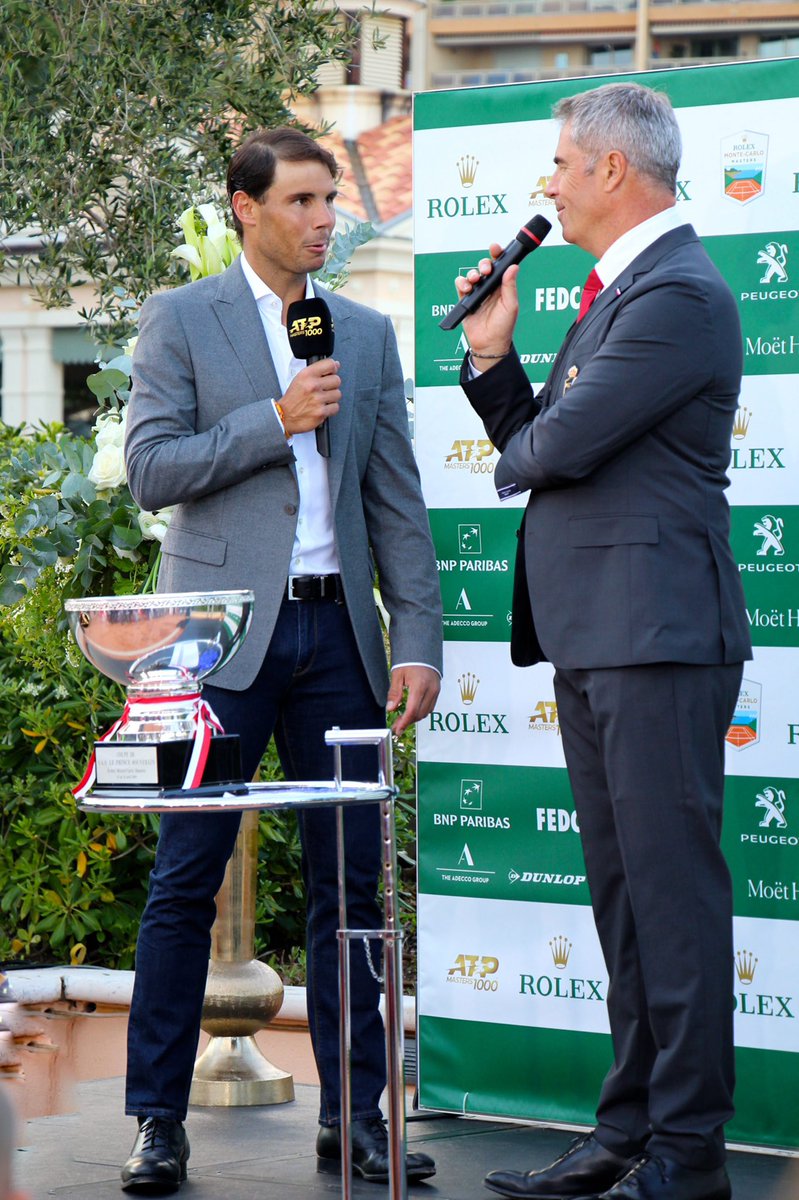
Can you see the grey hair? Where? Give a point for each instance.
(628, 117)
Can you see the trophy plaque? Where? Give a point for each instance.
(160, 647)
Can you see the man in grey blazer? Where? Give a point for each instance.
(627, 584)
(222, 424)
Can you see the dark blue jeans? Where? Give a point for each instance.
(311, 679)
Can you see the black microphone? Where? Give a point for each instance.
(529, 238)
(311, 336)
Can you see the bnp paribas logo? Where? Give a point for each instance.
(470, 538)
(744, 730)
(472, 794)
(469, 203)
(743, 158)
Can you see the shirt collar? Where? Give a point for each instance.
(261, 290)
(626, 248)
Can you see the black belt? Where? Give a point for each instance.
(314, 587)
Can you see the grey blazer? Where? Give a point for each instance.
(624, 555)
(202, 434)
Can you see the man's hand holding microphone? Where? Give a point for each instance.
(488, 301)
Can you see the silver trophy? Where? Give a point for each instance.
(160, 648)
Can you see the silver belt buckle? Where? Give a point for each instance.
(290, 587)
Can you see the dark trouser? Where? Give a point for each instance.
(311, 679)
(644, 748)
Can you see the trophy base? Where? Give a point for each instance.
(162, 766)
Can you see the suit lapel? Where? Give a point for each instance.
(645, 262)
(235, 307)
(345, 351)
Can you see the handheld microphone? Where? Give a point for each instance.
(529, 238)
(311, 336)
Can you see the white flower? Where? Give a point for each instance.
(109, 428)
(155, 524)
(108, 468)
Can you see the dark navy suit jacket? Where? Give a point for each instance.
(624, 554)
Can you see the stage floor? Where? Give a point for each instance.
(266, 1153)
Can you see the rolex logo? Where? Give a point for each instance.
(561, 949)
(467, 169)
(468, 684)
(745, 966)
(740, 426)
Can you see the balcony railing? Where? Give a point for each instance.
(455, 79)
(536, 8)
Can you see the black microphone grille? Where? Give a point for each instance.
(537, 229)
(310, 328)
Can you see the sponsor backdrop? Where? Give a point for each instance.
(512, 985)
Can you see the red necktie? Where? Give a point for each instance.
(591, 289)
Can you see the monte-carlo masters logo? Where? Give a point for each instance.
(468, 202)
(743, 157)
(744, 730)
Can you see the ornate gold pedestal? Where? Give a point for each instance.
(242, 995)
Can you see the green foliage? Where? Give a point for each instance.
(114, 112)
(114, 116)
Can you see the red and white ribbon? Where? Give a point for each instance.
(205, 723)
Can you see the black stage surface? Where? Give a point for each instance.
(268, 1153)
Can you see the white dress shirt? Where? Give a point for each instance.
(314, 551)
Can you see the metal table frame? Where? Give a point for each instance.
(339, 794)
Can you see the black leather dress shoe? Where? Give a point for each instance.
(369, 1153)
(656, 1178)
(585, 1167)
(158, 1159)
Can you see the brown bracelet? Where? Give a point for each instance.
(474, 354)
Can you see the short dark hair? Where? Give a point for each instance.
(252, 167)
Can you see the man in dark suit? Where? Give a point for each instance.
(222, 424)
(626, 583)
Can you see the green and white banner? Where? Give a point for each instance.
(512, 985)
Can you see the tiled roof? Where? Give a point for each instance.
(376, 180)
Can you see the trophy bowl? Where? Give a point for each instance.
(147, 643)
(160, 647)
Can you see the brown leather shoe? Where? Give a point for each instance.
(158, 1159)
(369, 1153)
(586, 1167)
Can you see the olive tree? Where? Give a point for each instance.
(116, 114)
